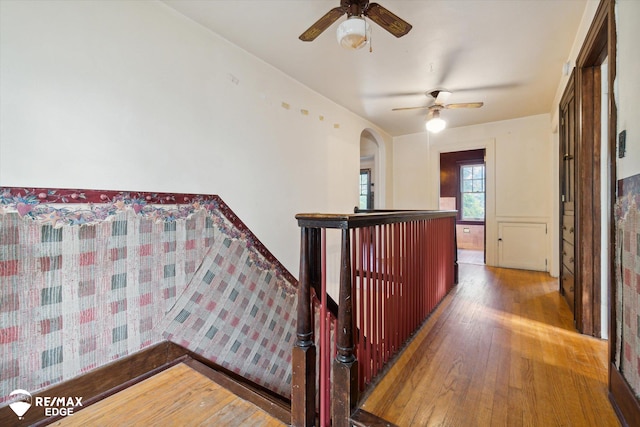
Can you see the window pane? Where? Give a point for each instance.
(365, 189)
(472, 188)
(467, 172)
(473, 206)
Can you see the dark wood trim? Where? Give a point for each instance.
(348, 221)
(469, 222)
(588, 201)
(596, 47)
(109, 379)
(622, 398)
(362, 418)
(102, 382)
(303, 356)
(598, 158)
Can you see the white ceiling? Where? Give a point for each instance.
(508, 54)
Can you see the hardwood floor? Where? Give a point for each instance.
(470, 256)
(178, 396)
(501, 350)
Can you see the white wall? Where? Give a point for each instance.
(133, 96)
(520, 183)
(410, 172)
(373, 156)
(627, 85)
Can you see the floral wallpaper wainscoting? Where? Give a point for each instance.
(88, 277)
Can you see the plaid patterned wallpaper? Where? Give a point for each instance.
(627, 349)
(81, 286)
(237, 316)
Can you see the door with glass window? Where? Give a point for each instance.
(366, 190)
(567, 195)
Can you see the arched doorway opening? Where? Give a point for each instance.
(372, 176)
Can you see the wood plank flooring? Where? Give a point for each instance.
(500, 350)
(178, 396)
(470, 256)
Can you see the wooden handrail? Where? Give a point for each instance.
(358, 220)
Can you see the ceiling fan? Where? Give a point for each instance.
(434, 122)
(354, 32)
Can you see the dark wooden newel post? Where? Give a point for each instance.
(345, 365)
(303, 385)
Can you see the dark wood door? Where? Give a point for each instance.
(567, 194)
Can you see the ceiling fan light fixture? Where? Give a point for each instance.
(354, 33)
(436, 124)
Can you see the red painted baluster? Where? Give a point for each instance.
(405, 284)
(423, 270)
(438, 258)
(359, 295)
(418, 268)
(363, 309)
(370, 334)
(325, 337)
(377, 301)
(415, 256)
(366, 357)
(409, 281)
(430, 255)
(386, 295)
(412, 276)
(396, 287)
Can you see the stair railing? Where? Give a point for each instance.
(395, 267)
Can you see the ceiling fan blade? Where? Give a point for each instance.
(464, 105)
(387, 20)
(410, 108)
(442, 97)
(322, 24)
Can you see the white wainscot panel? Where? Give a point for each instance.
(522, 245)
